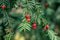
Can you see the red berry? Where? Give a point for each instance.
(27, 16)
(34, 25)
(46, 5)
(40, 0)
(3, 6)
(47, 26)
(28, 20)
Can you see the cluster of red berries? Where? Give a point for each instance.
(28, 17)
(34, 26)
(3, 7)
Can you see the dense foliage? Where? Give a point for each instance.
(35, 17)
